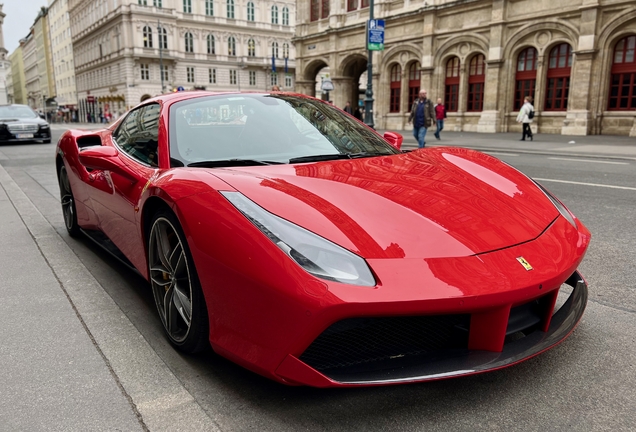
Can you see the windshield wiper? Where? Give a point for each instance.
(328, 157)
(231, 163)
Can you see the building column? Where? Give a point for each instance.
(342, 90)
(578, 120)
(306, 87)
(490, 120)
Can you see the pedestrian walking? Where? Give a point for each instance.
(525, 116)
(357, 113)
(348, 108)
(422, 116)
(440, 115)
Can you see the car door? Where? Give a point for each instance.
(136, 138)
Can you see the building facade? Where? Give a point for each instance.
(6, 80)
(126, 50)
(576, 58)
(63, 63)
(17, 89)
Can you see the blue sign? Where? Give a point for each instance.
(180, 88)
(375, 35)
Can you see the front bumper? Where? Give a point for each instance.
(41, 134)
(518, 346)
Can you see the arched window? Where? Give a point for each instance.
(285, 50)
(251, 48)
(163, 39)
(275, 49)
(451, 91)
(209, 7)
(189, 42)
(319, 9)
(526, 76)
(396, 88)
(414, 83)
(230, 9)
(476, 82)
(211, 46)
(623, 77)
(250, 11)
(285, 16)
(274, 14)
(558, 85)
(147, 37)
(231, 46)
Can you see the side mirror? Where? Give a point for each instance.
(105, 159)
(394, 138)
(42, 116)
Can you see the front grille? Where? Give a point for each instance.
(359, 341)
(22, 128)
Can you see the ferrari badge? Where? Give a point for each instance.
(526, 265)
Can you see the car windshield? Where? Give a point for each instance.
(274, 128)
(16, 112)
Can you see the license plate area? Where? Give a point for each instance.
(24, 135)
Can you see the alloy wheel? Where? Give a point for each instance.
(170, 279)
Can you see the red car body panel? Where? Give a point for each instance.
(441, 229)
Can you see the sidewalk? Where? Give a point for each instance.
(589, 146)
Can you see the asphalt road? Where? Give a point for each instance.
(586, 383)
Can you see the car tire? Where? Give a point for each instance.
(68, 203)
(175, 285)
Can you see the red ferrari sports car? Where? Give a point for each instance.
(299, 243)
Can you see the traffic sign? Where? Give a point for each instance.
(375, 35)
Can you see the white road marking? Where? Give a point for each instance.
(500, 153)
(588, 160)
(586, 184)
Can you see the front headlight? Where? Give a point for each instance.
(559, 205)
(44, 126)
(316, 255)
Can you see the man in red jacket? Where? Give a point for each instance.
(440, 115)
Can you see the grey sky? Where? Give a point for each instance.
(20, 15)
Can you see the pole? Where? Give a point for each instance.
(44, 105)
(159, 39)
(368, 101)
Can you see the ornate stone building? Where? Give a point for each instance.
(123, 48)
(482, 57)
(6, 79)
(62, 54)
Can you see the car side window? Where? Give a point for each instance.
(138, 134)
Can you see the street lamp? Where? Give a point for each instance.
(368, 101)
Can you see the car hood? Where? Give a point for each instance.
(439, 202)
(9, 121)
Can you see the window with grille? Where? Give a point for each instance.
(414, 83)
(211, 44)
(157, 3)
(189, 42)
(233, 77)
(285, 16)
(285, 50)
(209, 7)
(190, 74)
(251, 48)
(622, 94)
(558, 78)
(396, 88)
(352, 5)
(275, 49)
(187, 6)
(147, 37)
(231, 46)
(145, 72)
(526, 76)
(212, 76)
(274, 79)
(163, 39)
(476, 83)
(250, 11)
(288, 81)
(230, 9)
(142, 2)
(274, 14)
(451, 87)
(164, 73)
(252, 78)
